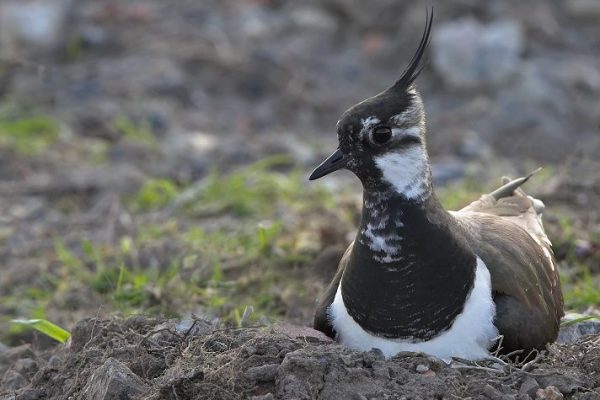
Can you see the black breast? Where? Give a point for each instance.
(420, 294)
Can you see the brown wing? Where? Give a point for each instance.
(321, 321)
(507, 234)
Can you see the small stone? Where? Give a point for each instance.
(113, 380)
(422, 368)
(529, 387)
(549, 393)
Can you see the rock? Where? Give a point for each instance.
(113, 380)
(549, 393)
(12, 380)
(193, 327)
(262, 373)
(529, 387)
(571, 333)
(422, 368)
(37, 23)
(467, 54)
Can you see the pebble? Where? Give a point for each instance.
(529, 387)
(113, 380)
(422, 368)
(549, 393)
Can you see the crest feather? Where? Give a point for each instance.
(415, 67)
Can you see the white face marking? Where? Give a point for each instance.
(407, 172)
(470, 336)
(368, 123)
(413, 131)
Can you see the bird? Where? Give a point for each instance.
(417, 277)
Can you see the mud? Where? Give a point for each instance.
(142, 358)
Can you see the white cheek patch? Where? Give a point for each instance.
(413, 131)
(407, 172)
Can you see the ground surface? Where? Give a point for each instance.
(154, 155)
(157, 359)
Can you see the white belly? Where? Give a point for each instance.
(470, 336)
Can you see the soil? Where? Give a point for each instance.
(141, 358)
(221, 83)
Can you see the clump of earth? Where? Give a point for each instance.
(144, 358)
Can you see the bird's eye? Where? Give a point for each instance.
(381, 134)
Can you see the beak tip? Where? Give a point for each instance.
(332, 163)
(313, 177)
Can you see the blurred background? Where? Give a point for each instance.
(154, 154)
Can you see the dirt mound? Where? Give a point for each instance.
(143, 358)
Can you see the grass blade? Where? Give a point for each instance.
(46, 327)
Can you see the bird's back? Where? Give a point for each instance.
(505, 230)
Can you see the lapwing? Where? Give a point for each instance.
(418, 277)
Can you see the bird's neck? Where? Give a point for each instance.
(409, 260)
(393, 227)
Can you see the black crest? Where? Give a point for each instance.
(415, 66)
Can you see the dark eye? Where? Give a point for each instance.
(381, 134)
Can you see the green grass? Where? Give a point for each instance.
(222, 269)
(135, 131)
(236, 240)
(457, 195)
(25, 132)
(155, 194)
(46, 327)
(582, 289)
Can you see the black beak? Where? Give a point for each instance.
(332, 163)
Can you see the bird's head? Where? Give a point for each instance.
(382, 139)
